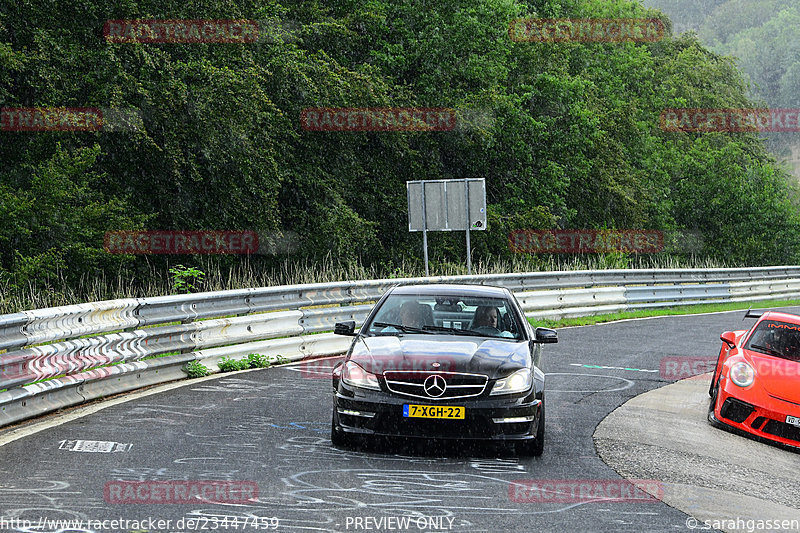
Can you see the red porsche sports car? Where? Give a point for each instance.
(756, 383)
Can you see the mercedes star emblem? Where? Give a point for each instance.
(435, 386)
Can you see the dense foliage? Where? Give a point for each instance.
(566, 134)
(762, 36)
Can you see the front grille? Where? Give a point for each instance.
(782, 429)
(473, 427)
(456, 384)
(736, 410)
(757, 422)
(517, 428)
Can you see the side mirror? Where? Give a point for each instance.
(345, 328)
(545, 336)
(728, 338)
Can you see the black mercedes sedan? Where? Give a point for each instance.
(443, 362)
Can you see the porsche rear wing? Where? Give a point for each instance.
(752, 314)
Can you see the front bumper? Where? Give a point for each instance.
(764, 418)
(379, 413)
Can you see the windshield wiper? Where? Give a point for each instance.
(766, 350)
(404, 329)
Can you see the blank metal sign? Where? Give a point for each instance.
(444, 201)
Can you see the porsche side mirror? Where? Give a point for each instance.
(728, 338)
(345, 328)
(545, 336)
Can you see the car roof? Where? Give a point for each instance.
(452, 290)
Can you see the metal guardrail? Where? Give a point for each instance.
(73, 346)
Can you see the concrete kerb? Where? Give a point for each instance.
(707, 473)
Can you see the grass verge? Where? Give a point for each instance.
(153, 279)
(644, 313)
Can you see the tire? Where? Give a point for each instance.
(339, 438)
(534, 447)
(712, 404)
(711, 385)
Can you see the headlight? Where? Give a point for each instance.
(355, 376)
(519, 381)
(742, 374)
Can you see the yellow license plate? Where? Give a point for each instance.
(434, 411)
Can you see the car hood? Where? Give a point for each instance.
(491, 357)
(779, 377)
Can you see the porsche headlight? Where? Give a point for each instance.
(355, 376)
(519, 381)
(742, 374)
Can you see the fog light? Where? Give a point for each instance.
(513, 420)
(351, 412)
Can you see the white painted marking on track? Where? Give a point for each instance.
(628, 383)
(94, 446)
(602, 367)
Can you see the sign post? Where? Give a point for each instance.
(446, 205)
(424, 232)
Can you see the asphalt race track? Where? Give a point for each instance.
(716, 477)
(267, 432)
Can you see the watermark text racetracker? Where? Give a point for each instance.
(149, 523)
(404, 369)
(677, 367)
(584, 490)
(683, 367)
(378, 119)
(703, 120)
(56, 119)
(178, 491)
(181, 242)
(534, 30)
(181, 31)
(585, 241)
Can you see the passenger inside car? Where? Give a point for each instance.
(412, 314)
(415, 314)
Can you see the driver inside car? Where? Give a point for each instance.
(791, 345)
(486, 320)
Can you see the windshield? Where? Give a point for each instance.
(779, 339)
(445, 315)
